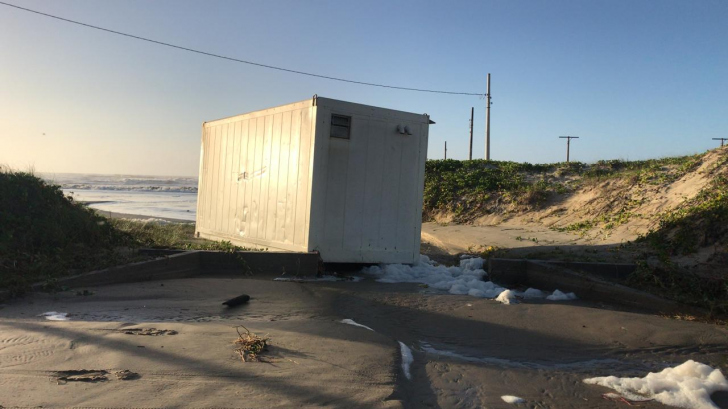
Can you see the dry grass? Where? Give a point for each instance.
(249, 346)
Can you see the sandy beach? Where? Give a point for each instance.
(467, 351)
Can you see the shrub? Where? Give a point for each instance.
(44, 234)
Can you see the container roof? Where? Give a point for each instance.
(355, 108)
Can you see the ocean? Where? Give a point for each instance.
(154, 196)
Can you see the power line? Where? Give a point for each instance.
(236, 59)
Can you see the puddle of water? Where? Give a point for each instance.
(407, 359)
(146, 316)
(354, 279)
(354, 323)
(587, 366)
(55, 316)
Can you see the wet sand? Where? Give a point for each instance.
(467, 351)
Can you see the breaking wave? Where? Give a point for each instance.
(138, 188)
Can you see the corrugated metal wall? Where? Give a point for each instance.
(367, 200)
(255, 177)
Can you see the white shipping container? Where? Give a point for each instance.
(323, 175)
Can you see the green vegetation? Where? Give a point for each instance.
(176, 236)
(485, 252)
(476, 187)
(446, 180)
(458, 186)
(696, 223)
(651, 171)
(533, 239)
(45, 235)
(169, 236)
(577, 227)
(684, 286)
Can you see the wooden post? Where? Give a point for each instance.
(722, 140)
(568, 144)
(487, 120)
(472, 112)
(445, 150)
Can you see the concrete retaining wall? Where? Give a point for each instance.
(195, 263)
(267, 263)
(514, 271)
(176, 266)
(590, 281)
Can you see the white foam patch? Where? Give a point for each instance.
(467, 278)
(560, 296)
(407, 359)
(533, 293)
(512, 399)
(506, 363)
(472, 263)
(507, 297)
(55, 316)
(354, 323)
(688, 385)
(311, 279)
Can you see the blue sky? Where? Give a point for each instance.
(634, 79)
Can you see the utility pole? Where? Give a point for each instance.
(722, 140)
(568, 144)
(472, 112)
(445, 150)
(487, 120)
